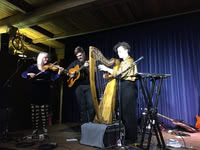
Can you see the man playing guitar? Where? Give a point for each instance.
(78, 73)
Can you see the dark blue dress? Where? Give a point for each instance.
(39, 94)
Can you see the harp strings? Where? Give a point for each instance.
(100, 82)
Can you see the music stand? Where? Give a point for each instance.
(151, 112)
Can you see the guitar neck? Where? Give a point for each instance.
(80, 69)
(165, 117)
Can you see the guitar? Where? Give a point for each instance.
(197, 125)
(76, 75)
(188, 128)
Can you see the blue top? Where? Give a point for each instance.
(46, 75)
(40, 90)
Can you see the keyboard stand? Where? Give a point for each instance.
(151, 117)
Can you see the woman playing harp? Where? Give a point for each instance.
(128, 89)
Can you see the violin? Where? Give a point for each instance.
(51, 67)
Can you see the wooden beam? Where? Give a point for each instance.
(41, 14)
(4, 29)
(19, 5)
(42, 31)
(52, 43)
(34, 48)
(40, 37)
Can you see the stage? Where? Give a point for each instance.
(67, 136)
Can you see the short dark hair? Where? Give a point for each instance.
(123, 44)
(78, 49)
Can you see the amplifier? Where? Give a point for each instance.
(112, 135)
(101, 135)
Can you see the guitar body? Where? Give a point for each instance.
(187, 127)
(197, 125)
(75, 71)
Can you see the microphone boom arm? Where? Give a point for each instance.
(134, 63)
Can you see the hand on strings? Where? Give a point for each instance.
(71, 74)
(60, 70)
(86, 64)
(104, 68)
(31, 75)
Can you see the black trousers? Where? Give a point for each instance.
(128, 100)
(85, 102)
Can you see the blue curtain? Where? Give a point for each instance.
(169, 46)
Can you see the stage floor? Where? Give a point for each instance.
(61, 133)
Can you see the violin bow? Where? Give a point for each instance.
(44, 70)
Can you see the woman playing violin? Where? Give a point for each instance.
(41, 74)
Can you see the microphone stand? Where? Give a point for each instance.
(12, 75)
(8, 84)
(120, 142)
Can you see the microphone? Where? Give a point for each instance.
(135, 62)
(28, 58)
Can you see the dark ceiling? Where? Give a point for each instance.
(46, 22)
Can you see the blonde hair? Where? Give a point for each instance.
(40, 56)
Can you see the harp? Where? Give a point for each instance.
(104, 110)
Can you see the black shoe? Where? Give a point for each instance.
(35, 132)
